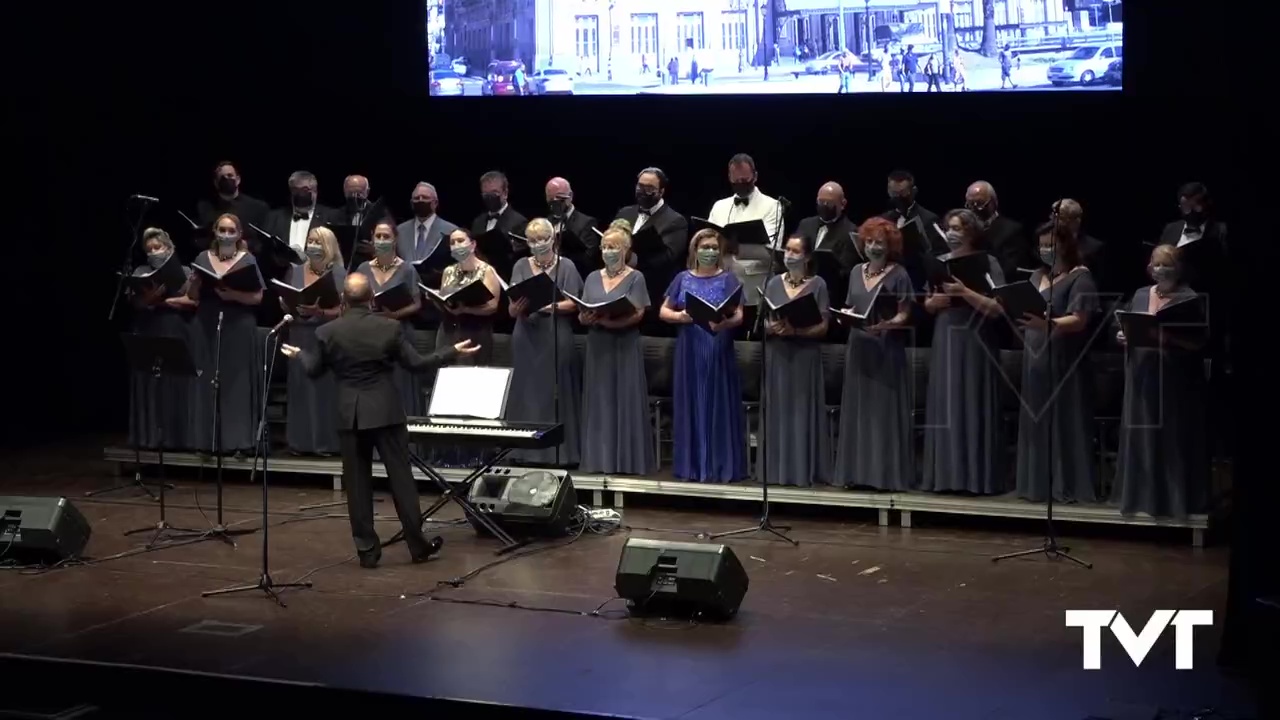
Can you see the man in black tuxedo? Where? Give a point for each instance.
(660, 266)
(362, 349)
(573, 228)
(923, 240)
(291, 224)
(1004, 237)
(499, 215)
(356, 210)
(228, 199)
(831, 231)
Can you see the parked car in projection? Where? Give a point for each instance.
(446, 83)
(552, 81)
(1085, 65)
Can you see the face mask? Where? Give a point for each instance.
(744, 188)
(827, 212)
(794, 263)
(423, 209)
(1164, 274)
(226, 185)
(541, 248)
(1048, 256)
(227, 241)
(875, 252)
(901, 203)
(354, 202)
(315, 252)
(157, 259)
(982, 211)
(1194, 217)
(954, 239)
(556, 207)
(302, 198)
(460, 252)
(611, 257)
(384, 246)
(646, 199)
(492, 202)
(708, 257)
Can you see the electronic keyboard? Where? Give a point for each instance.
(514, 435)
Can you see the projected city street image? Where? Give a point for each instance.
(771, 47)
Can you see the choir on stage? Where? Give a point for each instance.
(957, 292)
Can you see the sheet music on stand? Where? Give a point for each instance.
(470, 392)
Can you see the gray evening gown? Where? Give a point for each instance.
(311, 413)
(453, 330)
(410, 384)
(1163, 466)
(536, 345)
(875, 447)
(617, 437)
(796, 449)
(240, 358)
(166, 410)
(964, 447)
(1057, 409)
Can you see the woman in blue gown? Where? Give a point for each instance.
(708, 434)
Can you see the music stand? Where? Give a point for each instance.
(157, 357)
(465, 394)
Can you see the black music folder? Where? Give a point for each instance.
(170, 275)
(1185, 317)
(430, 269)
(704, 313)
(539, 290)
(916, 235)
(322, 292)
(972, 271)
(281, 251)
(875, 309)
(800, 312)
(647, 241)
(746, 232)
(619, 307)
(394, 297)
(473, 294)
(242, 277)
(1020, 298)
(494, 247)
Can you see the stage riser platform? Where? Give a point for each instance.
(612, 491)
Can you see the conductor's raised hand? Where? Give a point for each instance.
(290, 351)
(466, 347)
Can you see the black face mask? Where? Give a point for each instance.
(226, 185)
(901, 203)
(743, 189)
(424, 209)
(492, 202)
(1194, 217)
(983, 212)
(302, 198)
(355, 202)
(827, 212)
(646, 198)
(556, 207)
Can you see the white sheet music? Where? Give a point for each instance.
(475, 392)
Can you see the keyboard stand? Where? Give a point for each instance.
(447, 494)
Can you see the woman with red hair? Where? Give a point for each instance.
(875, 448)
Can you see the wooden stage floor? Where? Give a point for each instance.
(858, 621)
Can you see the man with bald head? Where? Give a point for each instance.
(362, 350)
(1005, 238)
(358, 212)
(830, 231)
(573, 228)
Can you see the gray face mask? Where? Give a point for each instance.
(876, 252)
(384, 246)
(315, 252)
(1164, 274)
(1048, 256)
(708, 257)
(460, 252)
(611, 257)
(540, 249)
(158, 259)
(794, 263)
(227, 243)
(955, 240)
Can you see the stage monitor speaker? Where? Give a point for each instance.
(41, 528)
(525, 502)
(658, 577)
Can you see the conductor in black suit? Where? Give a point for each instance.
(362, 349)
(651, 209)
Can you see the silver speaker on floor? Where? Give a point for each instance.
(525, 502)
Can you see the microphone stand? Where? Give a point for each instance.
(765, 524)
(262, 449)
(1049, 546)
(126, 266)
(555, 340)
(219, 530)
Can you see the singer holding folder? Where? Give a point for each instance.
(312, 401)
(708, 434)
(396, 297)
(1163, 466)
(158, 291)
(360, 349)
(228, 285)
(542, 321)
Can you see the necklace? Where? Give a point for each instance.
(868, 273)
(614, 273)
(313, 271)
(546, 265)
(377, 264)
(1163, 294)
(795, 282)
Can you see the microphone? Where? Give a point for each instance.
(280, 325)
(144, 198)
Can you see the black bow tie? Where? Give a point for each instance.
(1193, 229)
(741, 200)
(494, 215)
(642, 211)
(301, 216)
